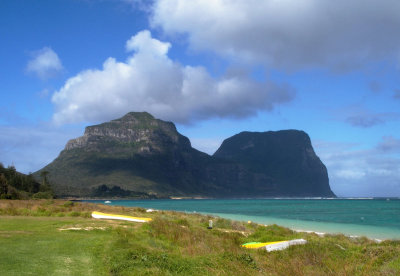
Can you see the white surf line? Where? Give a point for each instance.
(320, 234)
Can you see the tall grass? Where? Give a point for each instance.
(176, 243)
(58, 208)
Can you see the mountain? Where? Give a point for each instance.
(140, 156)
(136, 152)
(286, 157)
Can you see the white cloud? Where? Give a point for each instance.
(350, 174)
(45, 63)
(289, 34)
(367, 172)
(147, 45)
(150, 81)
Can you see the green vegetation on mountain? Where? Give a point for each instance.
(54, 237)
(16, 185)
(104, 191)
(146, 156)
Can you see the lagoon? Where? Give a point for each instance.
(373, 218)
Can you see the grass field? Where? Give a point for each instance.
(55, 237)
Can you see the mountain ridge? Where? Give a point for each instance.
(144, 155)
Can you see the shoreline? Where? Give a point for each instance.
(227, 198)
(372, 232)
(302, 227)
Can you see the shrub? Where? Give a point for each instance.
(42, 195)
(223, 223)
(183, 222)
(74, 214)
(68, 204)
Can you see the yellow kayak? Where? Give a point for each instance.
(272, 246)
(100, 215)
(259, 244)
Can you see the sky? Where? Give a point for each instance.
(215, 68)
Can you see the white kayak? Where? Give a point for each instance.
(272, 246)
(99, 215)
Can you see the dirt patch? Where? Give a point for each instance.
(233, 231)
(88, 228)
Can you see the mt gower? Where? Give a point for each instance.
(138, 155)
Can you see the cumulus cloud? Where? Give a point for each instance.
(150, 81)
(367, 172)
(147, 45)
(45, 63)
(339, 35)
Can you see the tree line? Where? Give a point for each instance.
(16, 185)
(104, 191)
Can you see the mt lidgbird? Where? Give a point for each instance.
(147, 156)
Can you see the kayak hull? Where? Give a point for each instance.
(100, 215)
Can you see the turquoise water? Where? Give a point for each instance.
(374, 218)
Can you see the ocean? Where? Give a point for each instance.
(373, 218)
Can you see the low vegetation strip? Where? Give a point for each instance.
(56, 237)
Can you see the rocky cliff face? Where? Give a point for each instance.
(140, 153)
(136, 152)
(284, 159)
(142, 130)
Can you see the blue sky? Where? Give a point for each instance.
(215, 68)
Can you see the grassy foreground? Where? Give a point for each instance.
(55, 237)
